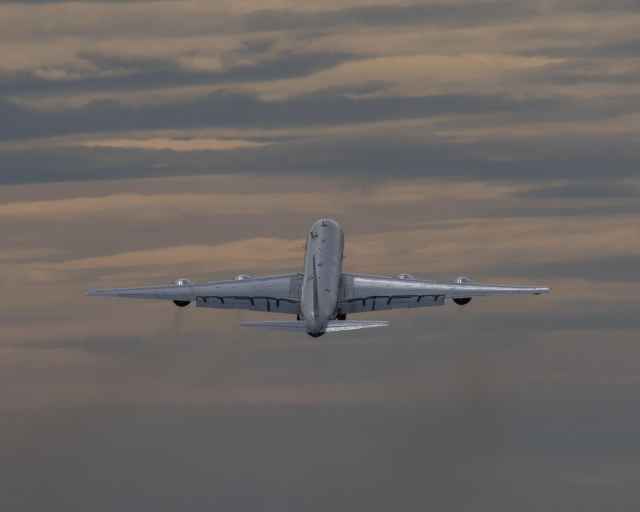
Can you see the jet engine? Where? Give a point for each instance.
(242, 277)
(462, 301)
(182, 303)
(408, 277)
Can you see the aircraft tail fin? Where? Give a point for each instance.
(333, 326)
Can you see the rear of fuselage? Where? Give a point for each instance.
(322, 271)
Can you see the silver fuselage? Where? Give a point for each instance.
(322, 271)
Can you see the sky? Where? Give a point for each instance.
(151, 140)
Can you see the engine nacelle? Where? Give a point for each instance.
(407, 277)
(182, 282)
(463, 301)
(242, 277)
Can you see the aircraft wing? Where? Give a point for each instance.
(276, 294)
(362, 293)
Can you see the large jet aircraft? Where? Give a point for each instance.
(323, 295)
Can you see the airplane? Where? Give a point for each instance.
(323, 295)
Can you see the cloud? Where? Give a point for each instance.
(585, 190)
(490, 246)
(24, 255)
(232, 256)
(244, 110)
(197, 17)
(399, 152)
(422, 74)
(100, 72)
(40, 2)
(448, 14)
(618, 267)
(182, 144)
(159, 207)
(231, 109)
(625, 47)
(590, 72)
(630, 6)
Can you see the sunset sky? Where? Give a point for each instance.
(144, 141)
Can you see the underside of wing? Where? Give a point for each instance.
(277, 294)
(362, 293)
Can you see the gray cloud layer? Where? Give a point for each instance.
(522, 159)
(113, 73)
(355, 156)
(245, 110)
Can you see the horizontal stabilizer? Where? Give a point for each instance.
(354, 325)
(278, 325)
(333, 326)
